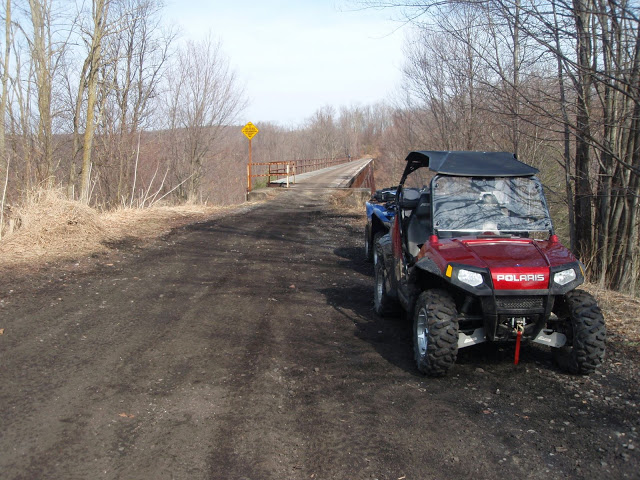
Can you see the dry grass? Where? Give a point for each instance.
(53, 228)
(350, 200)
(50, 226)
(620, 313)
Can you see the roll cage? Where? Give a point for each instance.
(415, 206)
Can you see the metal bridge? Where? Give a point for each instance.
(319, 173)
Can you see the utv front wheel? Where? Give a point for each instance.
(383, 304)
(435, 332)
(582, 322)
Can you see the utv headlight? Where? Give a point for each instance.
(470, 278)
(564, 277)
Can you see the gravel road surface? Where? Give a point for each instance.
(246, 347)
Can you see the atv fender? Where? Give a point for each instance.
(422, 275)
(378, 224)
(428, 266)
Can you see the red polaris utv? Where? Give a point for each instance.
(472, 257)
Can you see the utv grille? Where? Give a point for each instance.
(520, 303)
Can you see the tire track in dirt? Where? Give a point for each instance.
(263, 393)
(131, 344)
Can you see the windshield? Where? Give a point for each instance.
(476, 205)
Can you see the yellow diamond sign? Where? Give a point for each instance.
(250, 130)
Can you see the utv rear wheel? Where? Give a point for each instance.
(582, 322)
(383, 304)
(435, 332)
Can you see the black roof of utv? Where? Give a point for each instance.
(469, 164)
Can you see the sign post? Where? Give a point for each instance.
(249, 131)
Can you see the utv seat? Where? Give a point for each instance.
(410, 198)
(419, 226)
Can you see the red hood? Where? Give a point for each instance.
(515, 263)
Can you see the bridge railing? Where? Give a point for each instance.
(273, 171)
(365, 178)
(313, 164)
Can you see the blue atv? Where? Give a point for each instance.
(380, 215)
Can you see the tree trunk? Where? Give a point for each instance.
(5, 81)
(583, 191)
(42, 59)
(566, 135)
(100, 12)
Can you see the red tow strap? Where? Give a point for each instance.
(517, 357)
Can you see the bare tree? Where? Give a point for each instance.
(444, 77)
(5, 78)
(323, 132)
(43, 57)
(96, 36)
(138, 52)
(204, 96)
(4, 158)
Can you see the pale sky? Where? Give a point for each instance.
(296, 56)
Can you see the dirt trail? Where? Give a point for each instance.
(246, 348)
